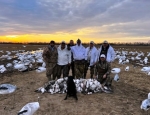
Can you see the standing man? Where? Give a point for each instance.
(50, 57)
(79, 57)
(108, 51)
(71, 44)
(102, 72)
(64, 60)
(92, 54)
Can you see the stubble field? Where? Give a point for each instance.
(126, 99)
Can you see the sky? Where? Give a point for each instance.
(89, 20)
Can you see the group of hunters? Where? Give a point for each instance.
(78, 58)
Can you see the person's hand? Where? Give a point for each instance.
(104, 76)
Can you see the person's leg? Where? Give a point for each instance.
(81, 70)
(59, 71)
(77, 74)
(108, 81)
(91, 71)
(65, 71)
(85, 69)
(49, 71)
(73, 69)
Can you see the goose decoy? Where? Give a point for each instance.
(29, 109)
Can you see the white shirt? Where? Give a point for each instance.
(92, 54)
(64, 56)
(78, 52)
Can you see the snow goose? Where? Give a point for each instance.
(116, 71)
(7, 88)
(29, 109)
(146, 103)
(127, 68)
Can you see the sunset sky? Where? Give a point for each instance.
(97, 20)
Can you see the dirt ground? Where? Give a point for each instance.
(129, 92)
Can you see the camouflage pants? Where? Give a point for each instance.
(51, 69)
(60, 69)
(79, 70)
(86, 69)
(105, 81)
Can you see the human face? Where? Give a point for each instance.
(91, 45)
(62, 46)
(71, 42)
(102, 58)
(105, 44)
(78, 43)
(52, 44)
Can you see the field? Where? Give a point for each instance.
(129, 91)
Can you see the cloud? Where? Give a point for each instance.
(100, 17)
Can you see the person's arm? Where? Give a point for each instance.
(113, 54)
(69, 52)
(108, 69)
(95, 71)
(44, 55)
(96, 56)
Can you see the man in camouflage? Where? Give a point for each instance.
(102, 71)
(50, 56)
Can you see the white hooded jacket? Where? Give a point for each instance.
(110, 54)
(64, 56)
(94, 55)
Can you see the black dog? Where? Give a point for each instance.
(71, 88)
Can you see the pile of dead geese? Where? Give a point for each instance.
(86, 86)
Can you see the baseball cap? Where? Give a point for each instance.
(105, 42)
(91, 42)
(63, 42)
(102, 55)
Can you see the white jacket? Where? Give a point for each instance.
(64, 56)
(110, 54)
(78, 52)
(94, 55)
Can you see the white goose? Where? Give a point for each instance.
(146, 103)
(29, 109)
(116, 71)
(127, 68)
(7, 88)
(2, 69)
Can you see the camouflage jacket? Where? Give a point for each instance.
(102, 68)
(50, 55)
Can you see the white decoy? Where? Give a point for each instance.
(40, 69)
(29, 109)
(127, 68)
(116, 71)
(145, 69)
(2, 69)
(146, 103)
(7, 88)
(9, 65)
(116, 77)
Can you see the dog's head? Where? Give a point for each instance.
(70, 79)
